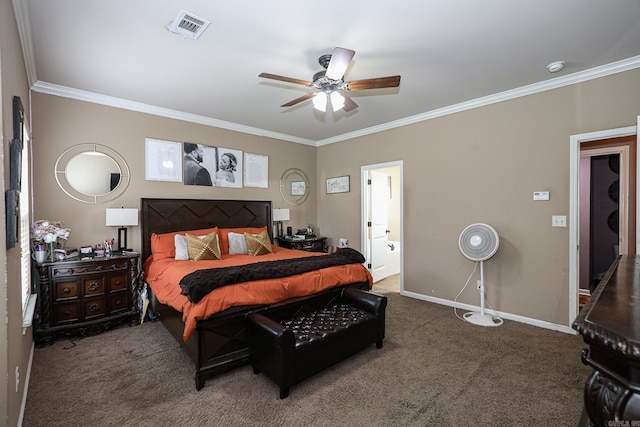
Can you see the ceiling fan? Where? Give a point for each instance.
(330, 82)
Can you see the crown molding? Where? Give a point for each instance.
(582, 76)
(570, 79)
(96, 98)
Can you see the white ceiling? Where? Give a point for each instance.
(451, 54)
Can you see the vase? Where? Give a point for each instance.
(51, 255)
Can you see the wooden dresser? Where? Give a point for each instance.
(610, 325)
(310, 244)
(84, 297)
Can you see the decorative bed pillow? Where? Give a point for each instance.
(163, 244)
(203, 248)
(224, 235)
(182, 249)
(258, 244)
(237, 244)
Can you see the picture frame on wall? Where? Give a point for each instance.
(298, 188)
(338, 184)
(256, 170)
(163, 160)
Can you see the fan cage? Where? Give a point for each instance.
(479, 242)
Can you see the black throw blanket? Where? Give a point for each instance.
(199, 283)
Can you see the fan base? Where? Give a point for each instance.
(482, 319)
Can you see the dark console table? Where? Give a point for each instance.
(310, 244)
(610, 326)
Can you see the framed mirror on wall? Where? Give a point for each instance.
(294, 186)
(92, 173)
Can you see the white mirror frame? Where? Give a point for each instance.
(65, 185)
(288, 177)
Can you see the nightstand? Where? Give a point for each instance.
(84, 296)
(310, 244)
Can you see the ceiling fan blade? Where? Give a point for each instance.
(349, 104)
(377, 83)
(340, 60)
(285, 79)
(299, 100)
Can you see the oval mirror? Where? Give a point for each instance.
(92, 173)
(294, 186)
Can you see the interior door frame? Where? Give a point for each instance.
(574, 220)
(365, 201)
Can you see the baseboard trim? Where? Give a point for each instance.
(509, 316)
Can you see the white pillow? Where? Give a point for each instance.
(237, 244)
(182, 252)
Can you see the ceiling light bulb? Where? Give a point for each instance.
(320, 102)
(337, 100)
(555, 67)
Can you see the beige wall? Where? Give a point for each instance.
(483, 165)
(60, 123)
(15, 348)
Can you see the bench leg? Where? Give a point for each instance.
(256, 370)
(379, 344)
(284, 392)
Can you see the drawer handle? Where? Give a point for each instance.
(94, 286)
(67, 313)
(118, 302)
(66, 290)
(94, 307)
(118, 282)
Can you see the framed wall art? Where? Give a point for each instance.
(163, 160)
(339, 184)
(256, 170)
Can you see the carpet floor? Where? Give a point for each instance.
(434, 370)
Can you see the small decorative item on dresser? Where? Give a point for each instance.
(51, 233)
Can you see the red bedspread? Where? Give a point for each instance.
(163, 276)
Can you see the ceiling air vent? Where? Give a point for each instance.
(189, 25)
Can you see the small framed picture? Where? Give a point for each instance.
(298, 188)
(338, 185)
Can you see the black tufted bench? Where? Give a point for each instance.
(292, 349)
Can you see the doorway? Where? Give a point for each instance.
(602, 139)
(382, 220)
(607, 202)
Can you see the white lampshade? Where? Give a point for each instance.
(122, 217)
(337, 101)
(320, 102)
(281, 214)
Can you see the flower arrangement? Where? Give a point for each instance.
(49, 232)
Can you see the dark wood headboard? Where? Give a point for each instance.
(166, 215)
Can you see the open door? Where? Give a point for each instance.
(632, 234)
(379, 224)
(382, 226)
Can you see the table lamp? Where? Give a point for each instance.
(280, 215)
(122, 218)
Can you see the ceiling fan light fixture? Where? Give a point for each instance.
(320, 102)
(337, 101)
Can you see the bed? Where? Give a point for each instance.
(217, 341)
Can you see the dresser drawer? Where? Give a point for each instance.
(66, 312)
(118, 282)
(118, 302)
(93, 286)
(94, 307)
(65, 290)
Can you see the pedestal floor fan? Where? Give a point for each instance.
(479, 242)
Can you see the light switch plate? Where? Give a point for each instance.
(558, 221)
